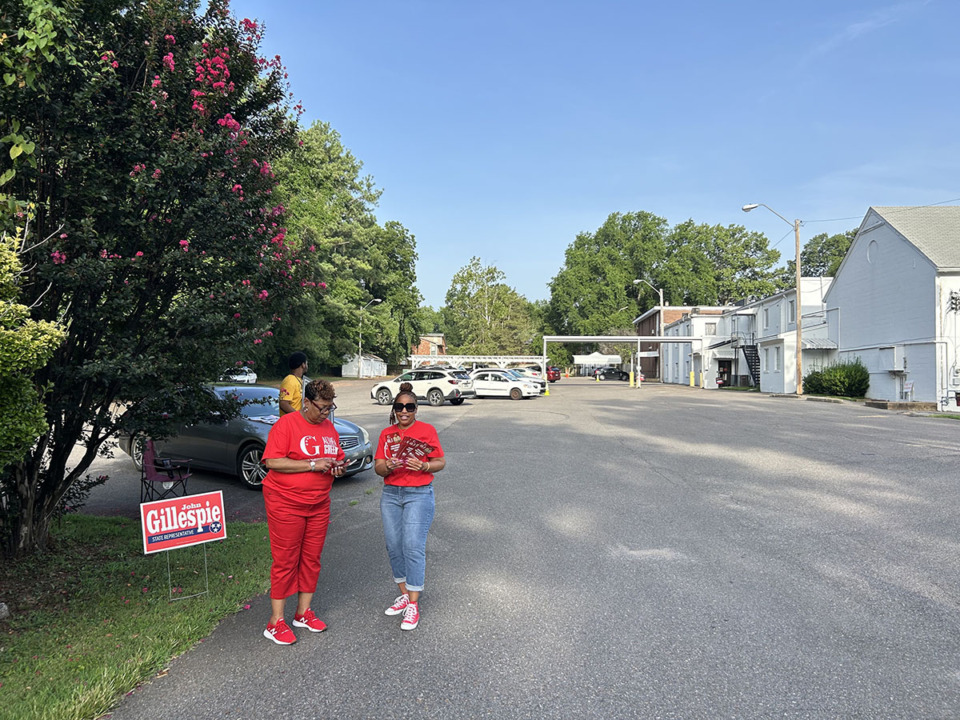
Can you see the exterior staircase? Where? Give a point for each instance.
(752, 355)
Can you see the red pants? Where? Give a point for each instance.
(297, 532)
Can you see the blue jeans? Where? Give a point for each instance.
(407, 513)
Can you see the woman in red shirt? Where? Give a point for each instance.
(408, 455)
(303, 456)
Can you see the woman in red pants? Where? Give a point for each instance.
(303, 456)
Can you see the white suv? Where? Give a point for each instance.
(434, 385)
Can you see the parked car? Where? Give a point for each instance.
(553, 374)
(530, 375)
(434, 385)
(489, 382)
(611, 373)
(244, 375)
(235, 446)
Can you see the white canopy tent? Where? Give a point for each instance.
(597, 359)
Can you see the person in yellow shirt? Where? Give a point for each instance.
(291, 389)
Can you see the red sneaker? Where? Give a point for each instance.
(411, 617)
(309, 621)
(280, 633)
(399, 605)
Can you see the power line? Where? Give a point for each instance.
(895, 212)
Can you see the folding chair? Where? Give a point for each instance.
(161, 478)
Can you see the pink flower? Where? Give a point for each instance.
(323, 286)
(170, 39)
(263, 295)
(139, 253)
(185, 245)
(59, 258)
(156, 173)
(258, 341)
(168, 61)
(236, 316)
(156, 81)
(63, 236)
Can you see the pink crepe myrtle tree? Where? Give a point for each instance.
(153, 153)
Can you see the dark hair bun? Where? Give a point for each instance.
(406, 388)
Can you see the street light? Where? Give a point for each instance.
(360, 341)
(799, 311)
(659, 292)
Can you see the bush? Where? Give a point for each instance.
(847, 379)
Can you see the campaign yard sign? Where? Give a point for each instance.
(182, 521)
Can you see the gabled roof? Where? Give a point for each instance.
(933, 230)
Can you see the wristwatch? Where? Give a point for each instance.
(313, 466)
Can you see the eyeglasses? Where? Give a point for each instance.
(323, 408)
(409, 407)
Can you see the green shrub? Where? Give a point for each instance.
(847, 379)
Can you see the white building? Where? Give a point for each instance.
(752, 343)
(894, 302)
(372, 367)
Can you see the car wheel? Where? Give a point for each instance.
(516, 394)
(435, 397)
(602, 376)
(249, 467)
(136, 451)
(384, 396)
(457, 401)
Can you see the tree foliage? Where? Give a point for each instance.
(485, 316)
(820, 257)
(25, 346)
(167, 258)
(330, 209)
(694, 264)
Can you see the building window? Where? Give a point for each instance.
(766, 318)
(434, 350)
(792, 310)
(710, 329)
(776, 359)
(766, 359)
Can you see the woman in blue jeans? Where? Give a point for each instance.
(408, 455)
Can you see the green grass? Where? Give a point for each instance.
(93, 618)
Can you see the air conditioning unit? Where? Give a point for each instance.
(893, 360)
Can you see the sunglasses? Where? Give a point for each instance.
(409, 407)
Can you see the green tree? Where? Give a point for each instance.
(330, 210)
(25, 346)
(36, 37)
(485, 316)
(167, 259)
(594, 294)
(820, 257)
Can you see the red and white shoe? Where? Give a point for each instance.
(280, 633)
(309, 621)
(399, 605)
(411, 617)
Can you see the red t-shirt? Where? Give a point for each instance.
(392, 436)
(295, 438)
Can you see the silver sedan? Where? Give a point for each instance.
(235, 446)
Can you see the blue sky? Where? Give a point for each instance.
(501, 129)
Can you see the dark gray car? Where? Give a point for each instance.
(235, 446)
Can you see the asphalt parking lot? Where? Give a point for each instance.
(607, 552)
